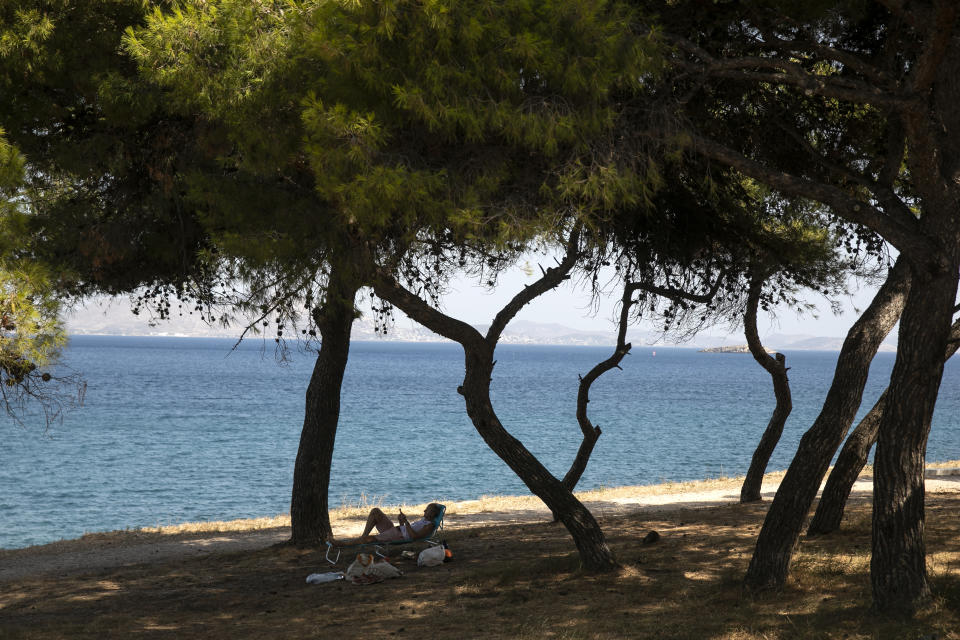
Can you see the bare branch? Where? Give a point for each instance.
(591, 432)
(774, 366)
(679, 294)
(386, 287)
(550, 279)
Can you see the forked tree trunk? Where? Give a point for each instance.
(591, 544)
(898, 572)
(478, 350)
(853, 457)
(783, 524)
(777, 368)
(309, 506)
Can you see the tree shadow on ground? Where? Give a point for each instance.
(516, 581)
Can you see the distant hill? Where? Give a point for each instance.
(817, 343)
(116, 319)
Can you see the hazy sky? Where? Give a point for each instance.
(570, 306)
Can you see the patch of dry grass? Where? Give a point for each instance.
(519, 581)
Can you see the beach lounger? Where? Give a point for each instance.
(379, 548)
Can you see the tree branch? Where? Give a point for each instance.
(847, 59)
(677, 294)
(790, 73)
(591, 433)
(774, 366)
(386, 287)
(549, 280)
(898, 232)
(882, 190)
(846, 90)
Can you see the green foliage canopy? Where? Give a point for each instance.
(31, 332)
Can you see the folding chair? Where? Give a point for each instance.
(379, 548)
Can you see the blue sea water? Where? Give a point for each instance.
(187, 429)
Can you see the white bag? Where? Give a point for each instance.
(431, 557)
(319, 578)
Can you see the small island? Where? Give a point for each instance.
(737, 348)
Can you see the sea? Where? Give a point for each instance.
(176, 430)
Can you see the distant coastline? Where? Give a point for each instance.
(115, 320)
(529, 336)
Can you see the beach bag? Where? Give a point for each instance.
(431, 557)
(366, 570)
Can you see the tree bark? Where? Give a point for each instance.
(777, 368)
(309, 507)
(591, 544)
(898, 572)
(783, 524)
(591, 432)
(853, 458)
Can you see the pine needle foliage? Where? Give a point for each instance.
(413, 132)
(31, 332)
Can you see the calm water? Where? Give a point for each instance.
(183, 429)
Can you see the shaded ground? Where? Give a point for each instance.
(506, 581)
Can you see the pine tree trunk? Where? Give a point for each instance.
(783, 524)
(478, 351)
(752, 483)
(898, 572)
(591, 544)
(853, 457)
(777, 368)
(310, 520)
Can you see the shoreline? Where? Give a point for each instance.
(107, 550)
(352, 516)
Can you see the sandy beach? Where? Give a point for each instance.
(99, 551)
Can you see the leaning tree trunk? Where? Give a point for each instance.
(310, 520)
(478, 350)
(898, 572)
(783, 524)
(777, 368)
(853, 457)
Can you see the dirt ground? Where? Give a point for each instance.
(514, 575)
